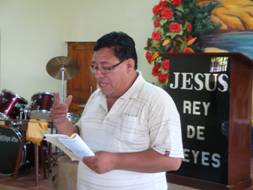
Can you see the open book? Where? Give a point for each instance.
(72, 145)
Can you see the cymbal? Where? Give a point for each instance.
(57, 65)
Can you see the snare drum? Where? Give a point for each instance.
(10, 142)
(41, 105)
(11, 105)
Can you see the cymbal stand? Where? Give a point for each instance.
(63, 83)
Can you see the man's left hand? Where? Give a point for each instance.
(100, 163)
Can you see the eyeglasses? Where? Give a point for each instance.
(103, 69)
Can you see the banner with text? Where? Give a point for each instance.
(199, 86)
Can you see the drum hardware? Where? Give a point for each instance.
(73, 117)
(4, 99)
(62, 68)
(24, 114)
(4, 117)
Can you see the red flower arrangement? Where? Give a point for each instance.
(172, 33)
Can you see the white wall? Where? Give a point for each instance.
(34, 31)
(0, 60)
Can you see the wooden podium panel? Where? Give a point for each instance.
(213, 93)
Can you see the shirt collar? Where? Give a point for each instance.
(132, 92)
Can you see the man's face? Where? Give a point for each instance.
(113, 83)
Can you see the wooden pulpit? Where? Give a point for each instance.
(213, 94)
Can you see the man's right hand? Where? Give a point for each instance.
(59, 110)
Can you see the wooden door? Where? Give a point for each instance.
(83, 84)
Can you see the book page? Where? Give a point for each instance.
(76, 145)
(73, 146)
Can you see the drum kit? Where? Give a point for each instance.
(16, 111)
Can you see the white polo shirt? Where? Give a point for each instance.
(144, 117)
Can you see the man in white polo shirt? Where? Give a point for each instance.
(132, 126)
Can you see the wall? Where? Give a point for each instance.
(0, 60)
(34, 31)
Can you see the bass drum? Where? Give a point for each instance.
(10, 142)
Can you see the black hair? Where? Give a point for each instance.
(122, 45)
